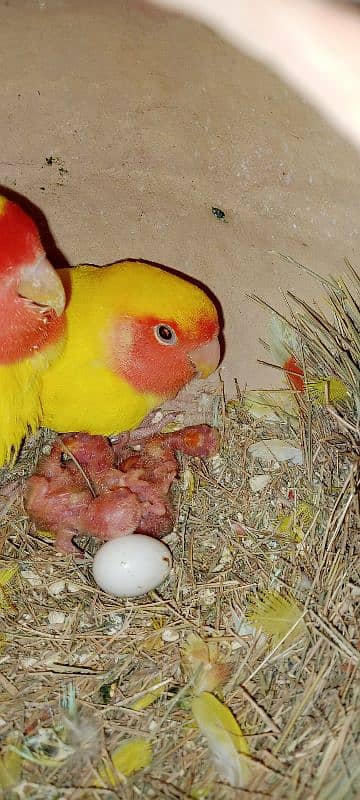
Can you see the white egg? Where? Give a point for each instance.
(131, 565)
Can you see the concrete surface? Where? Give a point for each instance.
(127, 127)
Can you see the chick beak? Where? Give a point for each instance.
(206, 357)
(40, 284)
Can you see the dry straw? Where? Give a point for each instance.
(96, 695)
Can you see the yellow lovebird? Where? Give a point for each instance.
(32, 300)
(136, 334)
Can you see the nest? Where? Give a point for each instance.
(100, 697)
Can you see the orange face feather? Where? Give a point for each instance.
(152, 364)
(31, 294)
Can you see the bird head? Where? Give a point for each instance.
(32, 296)
(166, 333)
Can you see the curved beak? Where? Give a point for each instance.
(40, 283)
(206, 357)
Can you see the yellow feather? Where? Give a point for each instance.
(129, 757)
(328, 390)
(6, 576)
(189, 483)
(10, 770)
(278, 616)
(225, 739)
(201, 663)
(20, 407)
(271, 406)
(295, 523)
(148, 698)
(80, 390)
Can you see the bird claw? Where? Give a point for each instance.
(149, 427)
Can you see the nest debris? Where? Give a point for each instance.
(266, 573)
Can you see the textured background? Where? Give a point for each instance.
(125, 127)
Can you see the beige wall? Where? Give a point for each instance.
(153, 120)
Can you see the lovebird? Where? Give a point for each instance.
(32, 300)
(136, 334)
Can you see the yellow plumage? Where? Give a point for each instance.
(227, 744)
(20, 407)
(81, 390)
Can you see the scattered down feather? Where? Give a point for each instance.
(129, 757)
(201, 663)
(268, 450)
(286, 348)
(278, 616)
(226, 742)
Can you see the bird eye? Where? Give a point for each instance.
(165, 334)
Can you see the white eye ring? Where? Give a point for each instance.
(165, 334)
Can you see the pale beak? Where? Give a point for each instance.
(40, 284)
(206, 357)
